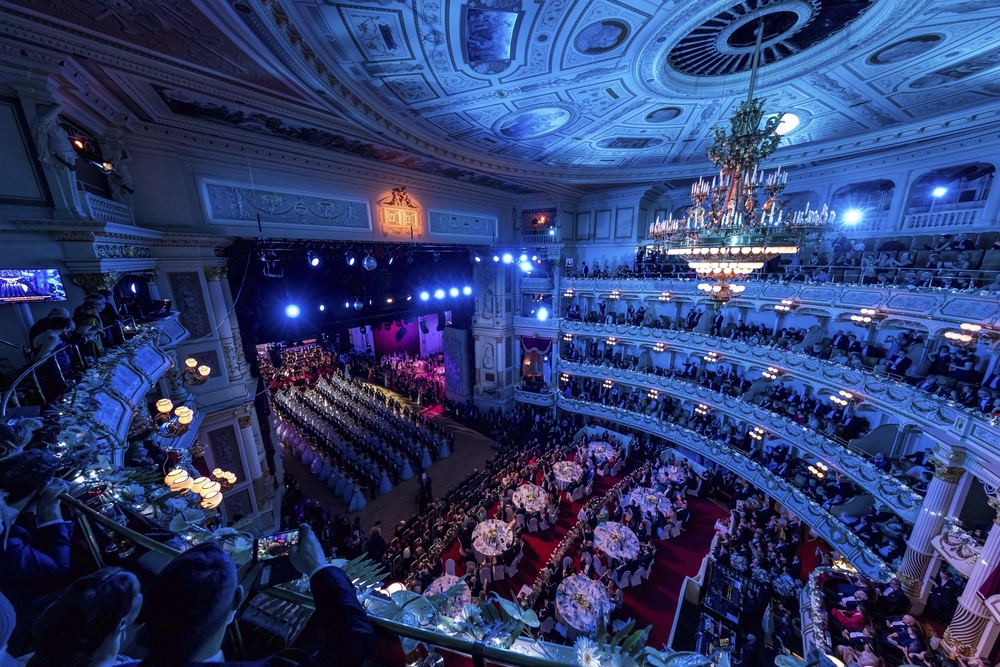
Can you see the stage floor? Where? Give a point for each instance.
(472, 450)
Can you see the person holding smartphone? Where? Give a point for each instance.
(192, 601)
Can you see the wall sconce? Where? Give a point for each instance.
(664, 297)
(170, 421)
(757, 433)
(701, 409)
(612, 341)
(567, 338)
(564, 378)
(843, 399)
(608, 384)
(653, 394)
(785, 306)
(195, 374)
(615, 295)
(659, 347)
(771, 373)
(569, 294)
(867, 317)
(711, 357)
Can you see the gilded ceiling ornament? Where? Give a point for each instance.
(398, 215)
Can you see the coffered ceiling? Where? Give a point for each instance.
(522, 95)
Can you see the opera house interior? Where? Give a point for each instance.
(455, 332)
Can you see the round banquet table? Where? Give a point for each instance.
(616, 540)
(443, 584)
(580, 604)
(649, 500)
(531, 498)
(492, 538)
(602, 450)
(672, 474)
(566, 473)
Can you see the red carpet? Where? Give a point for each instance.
(656, 601)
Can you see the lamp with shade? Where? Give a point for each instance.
(211, 500)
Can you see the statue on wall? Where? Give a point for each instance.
(51, 140)
(488, 305)
(120, 179)
(489, 360)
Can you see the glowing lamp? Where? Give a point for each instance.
(164, 405)
(198, 485)
(181, 483)
(204, 371)
(185, 418)
(211, 500)
(191, 362)
(174, 475)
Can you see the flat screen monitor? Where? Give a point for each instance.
(31, 286)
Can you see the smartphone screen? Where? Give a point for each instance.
(277, 545)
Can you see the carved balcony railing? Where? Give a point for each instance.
(106, 210)
(839, 536)
(958, 547)
(549, 326)
(938, 308)
(945, 221)
(888, 490)
(535, 285)
(546, 398)
(946, 421)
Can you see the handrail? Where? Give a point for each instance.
(29, 370)
(133, 535)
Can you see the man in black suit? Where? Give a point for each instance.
(840, 341)
(717, 323)
(898, 364)
(893, 601)
(193, 600)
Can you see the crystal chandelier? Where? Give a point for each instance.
(738, 221)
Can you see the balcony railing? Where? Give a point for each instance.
(106, 210)
(950, 422)
(940, 307)
(838, 535)
(536, 285)
(546, 398)
(888, 490)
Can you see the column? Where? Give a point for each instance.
(234, 325)
(936, 505)
(213, 275)
(966, 629)
(250, 445)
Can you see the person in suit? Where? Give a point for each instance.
(717, 323)
(893, 601)
(424, 495)
(34, 556)
(840, 341)
(899, 364)
(943, 599)
(192, 601)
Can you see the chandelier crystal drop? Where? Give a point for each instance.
(739, 221)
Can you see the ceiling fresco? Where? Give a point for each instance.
(568, 94)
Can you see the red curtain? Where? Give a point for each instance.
(386, 343)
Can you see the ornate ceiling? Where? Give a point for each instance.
(518, 95)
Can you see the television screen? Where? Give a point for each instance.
(31, 286)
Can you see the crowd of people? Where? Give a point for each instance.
(420, 379)
(294, 365)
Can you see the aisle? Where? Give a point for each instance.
(656, 601)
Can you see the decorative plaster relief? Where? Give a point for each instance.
(232, 203)
(444, 222)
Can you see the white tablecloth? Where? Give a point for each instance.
(648, 500)
(443, 584)
(602, 450)
(671, 474)
(531, 498)
(580, 603)
(566, 473)
(616, 540)
(492, 537)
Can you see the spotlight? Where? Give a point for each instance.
(496, 258)
(133, 288)
(312, 258)
(409, 258)
(389, 300)
(437, 257)
(543, 313)
(272, 267)
(322, 307)
(453, 292)
(347, 304)
(478, 258)
(358, 305)
(507, 258)
(522, 258)
(439, 294)
(939, 191)
(350, 258)
(467, 291)
(853, 216)
(552, 232)
(392, 258)
(534, 258)
(292, 310)
(409, 297)
(424, 296)
(526, 267)
(369, 262)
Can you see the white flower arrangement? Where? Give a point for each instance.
(587, 654)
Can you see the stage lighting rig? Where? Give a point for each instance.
(369, 262)
(350, 257)
(313, 258)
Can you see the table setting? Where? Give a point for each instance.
(602, 450)
(491, 538)
(531, 498)
(566, 473)
(580, 604)
(648, 500)
(443, 584)
(616, 540)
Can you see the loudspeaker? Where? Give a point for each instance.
(400, 334)
(440, 326)
(423, 327)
